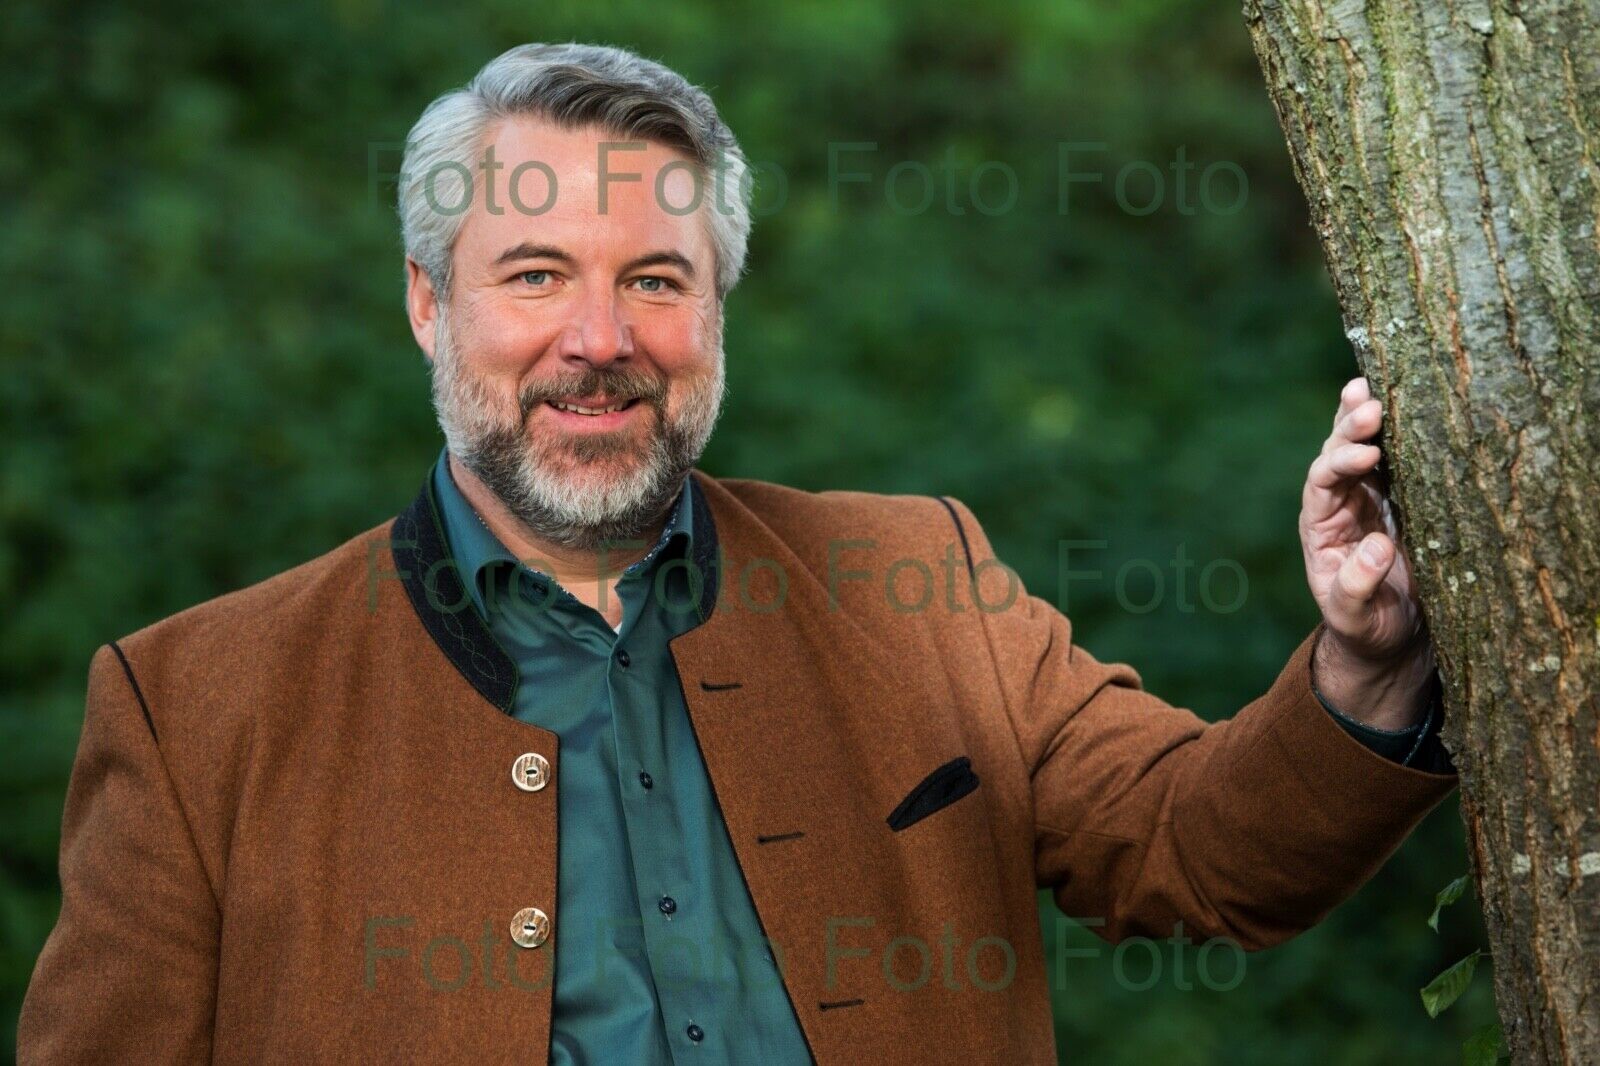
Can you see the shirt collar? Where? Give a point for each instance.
(476, 551)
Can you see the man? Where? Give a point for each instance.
(588, 756)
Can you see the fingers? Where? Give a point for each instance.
(1357, 419)
(1355, 392)
(1344, 457)
(1346, 461)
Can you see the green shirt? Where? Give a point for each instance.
(660, 954)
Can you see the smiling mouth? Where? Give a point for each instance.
(579, 409)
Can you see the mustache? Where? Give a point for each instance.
(618, 384)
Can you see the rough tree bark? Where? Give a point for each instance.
(1450, 153)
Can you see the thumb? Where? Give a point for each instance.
(1362, 571)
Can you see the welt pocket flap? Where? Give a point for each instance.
(935, 792)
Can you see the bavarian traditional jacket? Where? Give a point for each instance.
(296, 832)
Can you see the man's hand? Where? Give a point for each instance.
(1374, 659)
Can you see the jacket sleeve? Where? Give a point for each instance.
(1251, 828)
(128, 974)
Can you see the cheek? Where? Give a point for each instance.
(506, 342)
(678, 342)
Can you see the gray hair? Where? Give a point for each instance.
(572, 85)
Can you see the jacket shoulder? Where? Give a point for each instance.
(804, 517)
(243, 633)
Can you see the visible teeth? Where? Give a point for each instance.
(589, 410)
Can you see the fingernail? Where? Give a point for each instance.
(1372, 553)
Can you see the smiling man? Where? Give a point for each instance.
(577, 351)
(589, 756)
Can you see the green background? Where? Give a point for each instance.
(209, 377)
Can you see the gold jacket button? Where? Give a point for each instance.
(530, 771)
(530, 927)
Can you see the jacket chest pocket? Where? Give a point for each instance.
(945, 785)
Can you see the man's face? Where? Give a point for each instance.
(602, 301)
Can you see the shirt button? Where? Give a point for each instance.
(646, 780)
(668, 905)
(695, 1033)
(530, 927)
(530, 771)
(622, 658)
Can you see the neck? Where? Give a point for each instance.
(588, 575)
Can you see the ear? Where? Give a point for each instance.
(422, 306)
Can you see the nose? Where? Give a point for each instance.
(599, 332)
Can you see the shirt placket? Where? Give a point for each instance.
(672, 903)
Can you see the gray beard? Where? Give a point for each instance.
(562, 498)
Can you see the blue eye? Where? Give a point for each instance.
(535, 277)
(655, 284)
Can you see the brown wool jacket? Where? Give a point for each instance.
(292, 832)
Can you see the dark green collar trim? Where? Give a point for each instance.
(433, 584)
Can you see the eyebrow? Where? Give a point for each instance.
(527, 250)
(672, 259)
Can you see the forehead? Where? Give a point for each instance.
(584, 190)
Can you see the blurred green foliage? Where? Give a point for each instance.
(209, 377)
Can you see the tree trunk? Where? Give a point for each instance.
(1450, 153)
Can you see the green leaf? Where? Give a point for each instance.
(1448, 986)
(1448, 895)
(1485, 1047)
